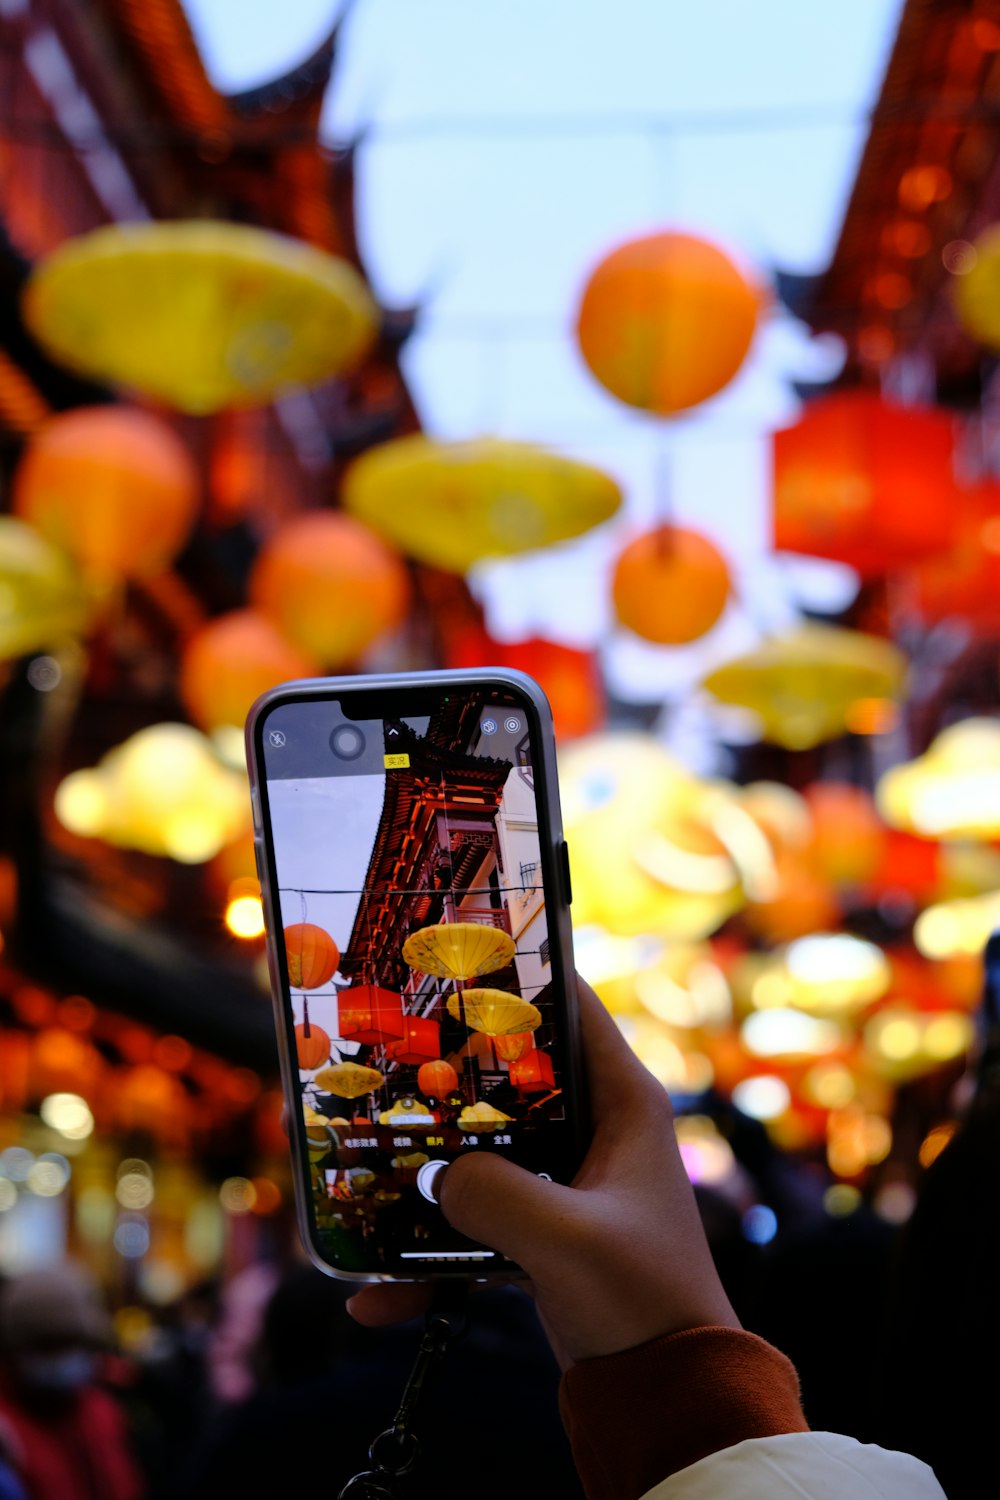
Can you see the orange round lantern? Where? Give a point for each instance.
(848, 835)
(803, 901)
(532, 1073)
(421, 1040)
(369, 1014)
(670, 585)
(312, 1046)
(113, 487)
(438, 1079)
(312, 955)
(865, 482)
(230, 662)
(514, 1045)
(666, 321)
(330, 585)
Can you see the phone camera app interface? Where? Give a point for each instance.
(410, 891)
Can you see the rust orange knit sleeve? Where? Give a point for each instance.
(634, 1418)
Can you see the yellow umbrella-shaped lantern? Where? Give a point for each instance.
(349, 1080)
(804, 686)
(952, 791)
(458, 950)
(453, 504)
(42, 602)
(494, 1012)
(199, 314)
(977, 290)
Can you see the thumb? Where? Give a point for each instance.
(501, 1205)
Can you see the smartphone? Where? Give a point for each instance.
(416, 892)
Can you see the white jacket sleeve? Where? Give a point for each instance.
(802, 1466)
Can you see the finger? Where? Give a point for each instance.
(491, 1200)
(378, 1304)
(615, 1076)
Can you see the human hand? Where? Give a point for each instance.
(615, 1259)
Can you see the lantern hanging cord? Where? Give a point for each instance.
(394, 1452)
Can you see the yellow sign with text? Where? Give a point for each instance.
(396, 762)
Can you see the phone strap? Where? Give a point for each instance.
(394, 1452)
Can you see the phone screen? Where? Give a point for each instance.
(423, 988)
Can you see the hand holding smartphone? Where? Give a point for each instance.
(416, 889)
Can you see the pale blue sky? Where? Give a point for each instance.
(505, 147)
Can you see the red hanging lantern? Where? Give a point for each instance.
(532, 1073)
(571, 679)
(312, 954)
(964, 581)
(370, 1015)
(421, 1040)
(864, 482)
(436, 1080)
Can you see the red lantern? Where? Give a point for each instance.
(232, 660)
(532, 1073)
(312, 954)
(670, 585)
(114, 487)
(370, 1015)
(421, 1040)
(865, 482)
(965, 580)
(312, 1046)
(514, 1045)
(847, 833)
(436, 1080)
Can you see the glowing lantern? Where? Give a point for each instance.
(482, 1117)
(494, 1012)
(964, 581)
(349, 1080)
(312, 955)
(977, 291)
(513, 1045)
(318, 1137)
(848, 837)
(571, 680)
(454, 504)
(801, 901)
(330, 586)
(114, 488)
(370, 1015)
(902, 1042)
(655, 850)
(437, 1079)
(952, 790)
(670, 585)
(312, 1045)
(666, 321)
(198, 314)
(229, 662)
(802, 686)
(532, 1073)
(833, 973)
(865, 482)
(163, 791)
(421, 1040)
(408, 1112)
(42, 602)
(458, 950)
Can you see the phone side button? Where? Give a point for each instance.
(258, 859)
(564, 872)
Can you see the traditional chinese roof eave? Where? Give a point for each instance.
(939, 103)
